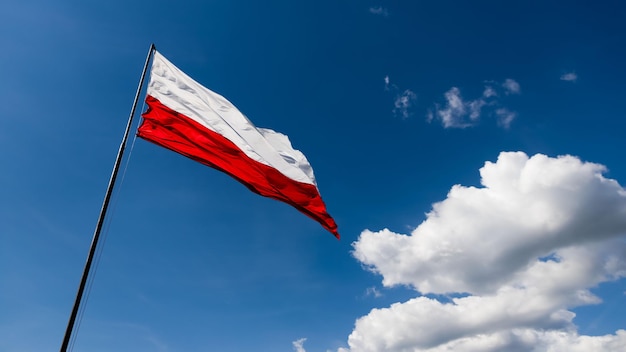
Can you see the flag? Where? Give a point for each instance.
(194, 121)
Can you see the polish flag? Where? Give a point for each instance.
(190, 119)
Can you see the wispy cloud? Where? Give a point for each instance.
(298, 345)
(403, 103)
(505, 117)
(475, 107)
(379, 10)
(454, 112)
(522, 250)
(457, 112)
(511, 86)
(569, 77)
(489, 92)
(373, 291)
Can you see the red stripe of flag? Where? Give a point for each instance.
(177, 132)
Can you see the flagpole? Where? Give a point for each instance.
(103, 210)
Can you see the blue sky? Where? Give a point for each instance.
(393, 104)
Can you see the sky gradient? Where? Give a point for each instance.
(472, 155)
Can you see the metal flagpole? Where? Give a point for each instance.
(103, 210)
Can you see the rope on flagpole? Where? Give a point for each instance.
(105, 204)
(103, 240)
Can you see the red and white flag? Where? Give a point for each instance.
(190, 119)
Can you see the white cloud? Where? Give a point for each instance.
(475, 107)
(298, 345)
(522, 249)
(570, 77)
(403, 103)
(457, 113)
(511, 86)
(460, 113)
(373, 291)
(453, 113)
(505, 117)
(489, 92)
(537, 204)
(379, 11)
(517, 340)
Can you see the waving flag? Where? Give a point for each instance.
(194, 121)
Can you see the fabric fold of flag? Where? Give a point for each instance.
(192, 120)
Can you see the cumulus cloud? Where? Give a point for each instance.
(517, 254)
(298, 345)
(570, 77)
(511, 86)
(524, 339)
(381, 11)
(457, 112)
(403, 103)
(528, 207)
